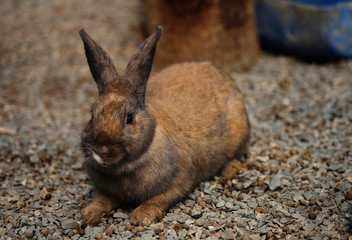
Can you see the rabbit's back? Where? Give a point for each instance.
(203, 109)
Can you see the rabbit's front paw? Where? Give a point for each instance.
(93, 213)
(145, 214)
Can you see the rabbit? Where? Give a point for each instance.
(148, 145)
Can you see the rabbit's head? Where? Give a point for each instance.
(120, 128)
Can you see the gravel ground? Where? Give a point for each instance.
(296, 182)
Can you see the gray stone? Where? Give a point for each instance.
(196, 212)
(264, 230)
(308, 227)
(68, 224)
(337, 167)
(201, 221)
(198, 234)
(120, 215)
(229, 205)
(189, 221)
(147, 236)
(307, 195)
(283, 211)
(56, 236)
(182, 234)
(173, 217)
(255, 237)
(252, 203)
(220, 203)
(247, 184)
(283, 220)
(241, 224)
(331, 234)
(275, 182)
(172, 234)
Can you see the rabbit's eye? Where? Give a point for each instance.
(129, 119)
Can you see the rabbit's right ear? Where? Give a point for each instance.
(101, 66)
(140, 64)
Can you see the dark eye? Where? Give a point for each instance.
(129, 119)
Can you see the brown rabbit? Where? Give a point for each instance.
(149, 145)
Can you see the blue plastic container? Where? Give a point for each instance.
(312, 29)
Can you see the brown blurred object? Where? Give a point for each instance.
(221, 31)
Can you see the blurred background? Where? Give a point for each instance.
(44, 79)
(43, 67)
(315, 30)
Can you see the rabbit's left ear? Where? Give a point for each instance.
(100, 64)
(140, 64)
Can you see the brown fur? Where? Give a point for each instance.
(189, 122)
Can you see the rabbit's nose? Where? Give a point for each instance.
(103, 138)
(103, 152)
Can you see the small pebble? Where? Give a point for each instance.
(29, 234)
(220, 203)
(259, 209)
(287, 230)
(238, 197)
(120, 215)
(137, 230)
(317, 208)
(312, 215)
(312, 201)
(202, 203)
(228, 234)
(349, 194)
(230, 225)
(16, 224)
(110, 230)
(98, 235)
(81, 231)
(290, 204)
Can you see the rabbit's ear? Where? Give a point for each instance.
(101, 66)
(140, 64)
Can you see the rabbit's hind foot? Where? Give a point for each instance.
(232, 169)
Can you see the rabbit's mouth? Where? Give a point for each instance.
(99, 159)
(106, 160)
